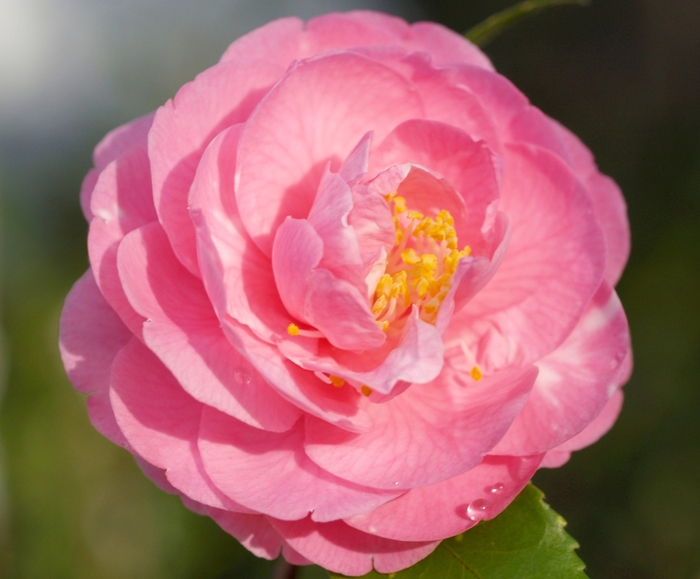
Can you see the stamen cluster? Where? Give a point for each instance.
(420, 266)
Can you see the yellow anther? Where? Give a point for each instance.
(379, 305)
(337, 381)
(422, 286)
(384, 285)
(414, 215)
(293, 330)
(366, 390)
(476, 373)
(399, 204)
(410, 257)
(383, 326)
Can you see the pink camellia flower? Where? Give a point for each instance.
(348, 291)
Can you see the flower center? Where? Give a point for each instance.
(419, 267)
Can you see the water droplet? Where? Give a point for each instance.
(497, 488)
(242, 377)
(477, 509)
(397, 482)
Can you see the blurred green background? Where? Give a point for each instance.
(623, 74)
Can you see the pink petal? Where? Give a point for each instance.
(269, 473)
(455, 156)
(341, 549)
(324, 106)
(338, 31)
(608, 203)
(446, 46)
(184, 332)
(329, 218)
(301, 387)
(277, 42)
(218, 98)
(315, 296)
(236, 274)
(91, 335)
(161, 422)
(441, 510)
(120, 203)
(553, 266)
(436, 430)
(416, 356)
(531, 126)
(254, 532)
(575, 381)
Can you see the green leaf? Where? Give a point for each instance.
(526, 541)
(483, 33)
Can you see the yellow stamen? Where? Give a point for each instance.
(476, 373)
(337, 381)
(293, 330)
(366, 390)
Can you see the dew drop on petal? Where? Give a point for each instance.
(242, 377)
(497, 488)
(477, 509)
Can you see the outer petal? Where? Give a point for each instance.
(161, 422)
(430, 433)
(120, 203)
(184, 332)
(608, 203)
(91, 336)
(237, 275)
(553, 266)
(277, 42)
(324, 106)
(218, 98)
(340, 548)
(254, 532)
(575, 381)
(434, 512)
(595, 430)
(270, 474)
(446, 46)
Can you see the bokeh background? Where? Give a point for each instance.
(623, 74)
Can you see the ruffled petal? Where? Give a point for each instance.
(436, 430)
(161, 422)
(269, 473)
(221, 96)
(441, 510)
(608, 203)
(575, 381)
(184, 332)
(120, 203)
(254, 532)
(324, 105)
(553, 266)
(593, 432)
(236, 274)
(91, 335)
(341, 549)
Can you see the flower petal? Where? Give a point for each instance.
(341, 549)
(91, 336)
(323, 105)
(236, 274)
(608, 203)
(184, 332)
(161, 422)
(254, 532)
(269, 473)
(553, 265)
(433, 512)
(120, 203)
(218, 98)
(430, 433)
(575, 381)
